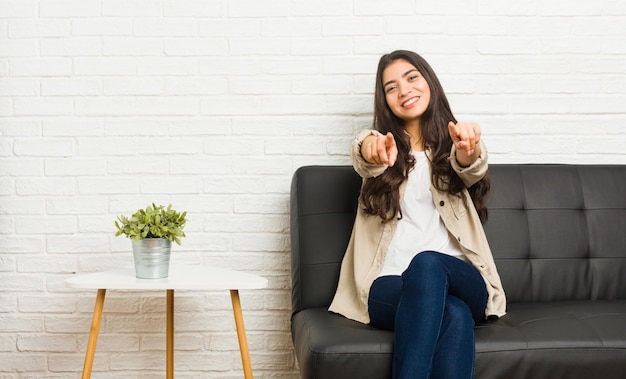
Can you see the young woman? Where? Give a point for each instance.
(418, 261)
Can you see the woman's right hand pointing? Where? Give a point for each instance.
(381, 150)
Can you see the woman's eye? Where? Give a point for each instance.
(412, 78)
(390, 89)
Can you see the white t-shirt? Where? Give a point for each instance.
(421, 227)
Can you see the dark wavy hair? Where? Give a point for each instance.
(381, 195)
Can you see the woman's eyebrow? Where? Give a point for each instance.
(403, 75)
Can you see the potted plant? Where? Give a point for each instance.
(152, 231)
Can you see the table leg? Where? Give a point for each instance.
(241, 335)
(93, 334)
(170, 335)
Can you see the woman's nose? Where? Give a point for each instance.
(403, 89)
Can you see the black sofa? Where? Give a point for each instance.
(558, 234)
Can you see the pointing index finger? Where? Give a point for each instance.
(391, 149)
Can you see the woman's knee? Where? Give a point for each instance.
(426, 260)
(425, 264)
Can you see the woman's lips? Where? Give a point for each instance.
(410, 102)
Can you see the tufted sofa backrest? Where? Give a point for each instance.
(557, 232)
(323, 208)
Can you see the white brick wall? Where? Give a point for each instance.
(107, 105)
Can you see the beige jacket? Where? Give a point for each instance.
(370, 239)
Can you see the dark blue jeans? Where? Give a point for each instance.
(432, 309)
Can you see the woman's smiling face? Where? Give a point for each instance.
(406, 91)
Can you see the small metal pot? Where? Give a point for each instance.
(152, 258)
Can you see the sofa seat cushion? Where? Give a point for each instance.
(577, 339)
(330, 346)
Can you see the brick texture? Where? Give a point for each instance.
(211, 105)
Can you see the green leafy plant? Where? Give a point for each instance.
(153, 222)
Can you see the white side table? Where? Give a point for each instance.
(181, 277)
